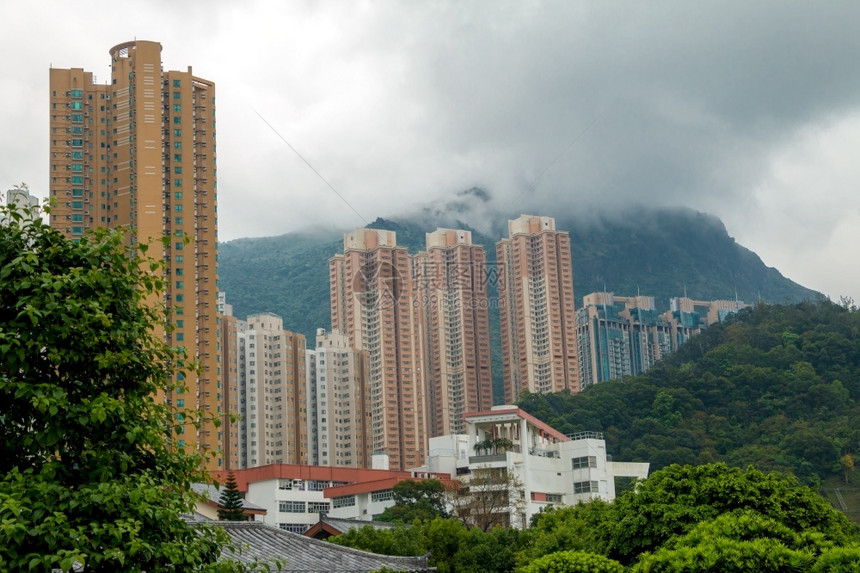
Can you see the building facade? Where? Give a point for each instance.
(138, 152)
(271, 393)
(522, 465)
(538, 325)
(294, 496)
(372, 304)
(230, 420)
(621, 336)
(337, 403)
(453, 307)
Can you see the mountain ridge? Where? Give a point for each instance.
(658, 252)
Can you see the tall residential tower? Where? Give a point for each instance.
(138, 152)
(451, 299)
(538, 324)
(372, 304)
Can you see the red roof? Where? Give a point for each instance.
(546, 428)
(294, 471)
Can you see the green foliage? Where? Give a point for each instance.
(401, 540)
(230, 502)
(689, 514)
(423, 500)
(741, 541)
(88, 472)
(453, 548)
(573, 528)
(838, 560)
(777, 387)
(573, 562)
(674, 500)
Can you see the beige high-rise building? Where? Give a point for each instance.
(372, 304)
(338, 413)
(138, 151)
(451, 288)
(538, 324)
(230, 421)
(272, 396)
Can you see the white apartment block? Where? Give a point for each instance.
(543, 466)
(337, 402)
(270, 393)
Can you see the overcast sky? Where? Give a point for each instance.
(746, 110)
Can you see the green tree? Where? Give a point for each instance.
(674, 500)
(416, 499)
(230, 502)
(846, 463)
(742, 540)
(573, 562)
(89, 474)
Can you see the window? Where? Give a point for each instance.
(178, 221)
(180, 298)
(77, 168)
(383, 495)
(180, 284)
(318, 507)
(180, 337)
(77, 154)
(77, 204)
(285, 484)
(177, 183)
(77, 131)
(178, 258)
(317, 485)
(77, 106)
(77, 230)
(553, 497)
(77, 192)
(77, 118)
(77, 94)
(77, 217)
(177, 208)
(291, 507)
(585, 487)
(177, 83)
(178, 245)
(177, 157)
(177, 120)
(77, 143)
(344, 501)
(177, 95)
(177, 195)
(177, 145)
(584, 462)
(177, 133)
(180, 324)
(293, 527)
(180, 403)
(177, 170)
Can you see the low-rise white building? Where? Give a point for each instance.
(539, 465)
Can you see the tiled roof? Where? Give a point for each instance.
(299, 553)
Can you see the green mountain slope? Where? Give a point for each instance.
(776, 386)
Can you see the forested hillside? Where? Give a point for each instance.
(776, 386)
